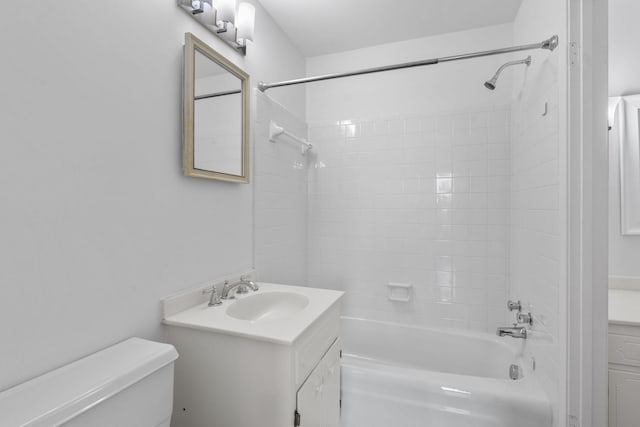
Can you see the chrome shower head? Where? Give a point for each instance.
(491, 84)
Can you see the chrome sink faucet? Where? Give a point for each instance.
(240, 287)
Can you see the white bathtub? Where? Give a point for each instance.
(400, 375)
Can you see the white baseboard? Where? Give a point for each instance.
(624, 283)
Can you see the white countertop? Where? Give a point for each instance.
(624, 307)
(281, 331)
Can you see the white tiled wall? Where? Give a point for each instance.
(280, 197)
(535, 231)
(414, 199)
(537, 222)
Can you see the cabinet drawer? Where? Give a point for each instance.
(314, 346)
(624, 350)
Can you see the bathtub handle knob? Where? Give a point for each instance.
(525, 318)
(514, 305)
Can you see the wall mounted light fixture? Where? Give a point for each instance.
(219, 17)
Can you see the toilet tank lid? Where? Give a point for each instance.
(60, 395)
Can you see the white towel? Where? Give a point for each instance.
(627, 130)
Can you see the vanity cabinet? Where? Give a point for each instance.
(624, 359)
(318, 399)
(624, 389)
(624, 376)
(258, 374)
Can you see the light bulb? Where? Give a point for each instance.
(246, 22)
(208, 15)
(226, 10)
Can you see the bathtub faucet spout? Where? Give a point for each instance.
(515, 331)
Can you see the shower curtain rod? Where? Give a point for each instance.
(217, 94)
(549, 44)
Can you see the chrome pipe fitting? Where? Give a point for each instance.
(514, 305)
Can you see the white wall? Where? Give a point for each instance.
(281, 176)
(538, 171)
(410, 182)
(624, 33)
(97, 221)
(624, 79)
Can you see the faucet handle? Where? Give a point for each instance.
(215, 297)
(514, 305)
(525, 318)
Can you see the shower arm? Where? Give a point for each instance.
(491, 84)
(548, 44)
(511, 63)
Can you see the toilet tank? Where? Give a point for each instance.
(127, 385)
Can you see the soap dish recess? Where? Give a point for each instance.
(399, 292)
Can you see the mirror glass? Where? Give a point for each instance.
(216, 115)
(626, 129)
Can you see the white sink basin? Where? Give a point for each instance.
(267, 306)
(276, 313)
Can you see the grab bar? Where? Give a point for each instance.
(275, 130)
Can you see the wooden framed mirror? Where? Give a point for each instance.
(216, 115)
